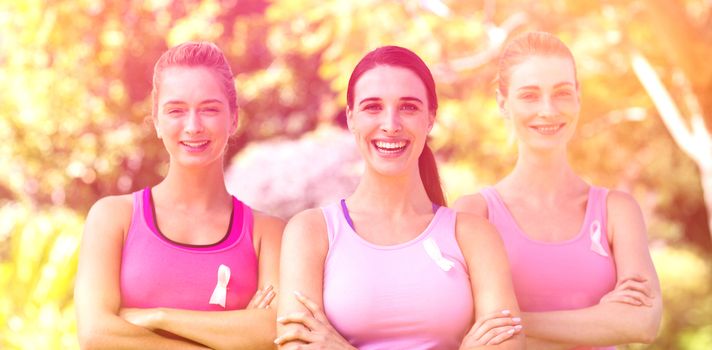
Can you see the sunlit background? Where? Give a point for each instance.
(75, 80)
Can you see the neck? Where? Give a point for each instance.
(543, 174)
(194, 187)
(391, 194)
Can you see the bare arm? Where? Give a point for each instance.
(97, 293)
(304, 248)
(611, 323)
(489, 277)
(251, 328)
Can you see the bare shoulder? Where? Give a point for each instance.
(621, 203)
(308, 224)
(306, 233)
(110, 214)
(623, 210)
(625, 218)
(473, 230)
(471, 203)
(266, 224)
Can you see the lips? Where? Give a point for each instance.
(195, 146)
(390, 147)
(548, 129)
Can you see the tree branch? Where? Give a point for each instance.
(664, 103)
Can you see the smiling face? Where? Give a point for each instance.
(542, 101)
(390, 119)
(193, 116)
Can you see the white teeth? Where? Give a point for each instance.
(547, 128)
(390, 145)
(195, 144)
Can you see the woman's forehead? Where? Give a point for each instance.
(180, 82)
(542, 71)
(389, 81)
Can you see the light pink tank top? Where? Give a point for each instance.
(565, 275)
(398, 296)
(157, 272)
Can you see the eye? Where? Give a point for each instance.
(174, 111)
(529, 96)
(211, 110)
(564, 93)
(409, 107)
(372, 107)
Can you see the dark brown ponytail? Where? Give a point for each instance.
(430, 176)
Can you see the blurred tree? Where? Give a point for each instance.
(76, 97)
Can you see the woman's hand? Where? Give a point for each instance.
(492, 330)
(146, 318)
(316, 333)
(262, 298)
(631, 291)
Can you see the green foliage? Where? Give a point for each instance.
(687, 299)
(76, 94)
(40, 250)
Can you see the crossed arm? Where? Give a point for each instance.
(630, 313)
(497, 325)
(102, 324)
(302, 320)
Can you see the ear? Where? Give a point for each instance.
(349, 119)
(501, 103)
(431, 120)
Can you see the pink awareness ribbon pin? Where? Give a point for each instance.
(220, 291)
(434, 252)
(596, 245)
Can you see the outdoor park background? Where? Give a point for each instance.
(75, 93)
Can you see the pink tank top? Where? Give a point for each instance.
(549, 276)
(400, 296)
(157, 272)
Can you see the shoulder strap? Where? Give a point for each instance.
(335, 221)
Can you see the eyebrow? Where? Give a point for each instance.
(376, 99)
(413, 99)
(211, 100)
(535, 87)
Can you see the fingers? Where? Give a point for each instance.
(267, 299)
(302, 318)
(631, 297)
(493, 320)
(637, 278)
(297, 334)
(255, 299)
(262, 298)
(635, 284)
(498, 335)
(311, 306)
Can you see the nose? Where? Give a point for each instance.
(391, 122)
(548, 108)
(194, 123)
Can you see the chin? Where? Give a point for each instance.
(395, 169)
(197, 163)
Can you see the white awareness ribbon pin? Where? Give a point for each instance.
(434, 252)
(220, 291)
(596, 239)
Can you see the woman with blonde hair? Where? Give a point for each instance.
(579, 256)
(178, 265)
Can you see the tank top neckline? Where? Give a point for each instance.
(520, 231)
(422, 235)
(151, 219)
